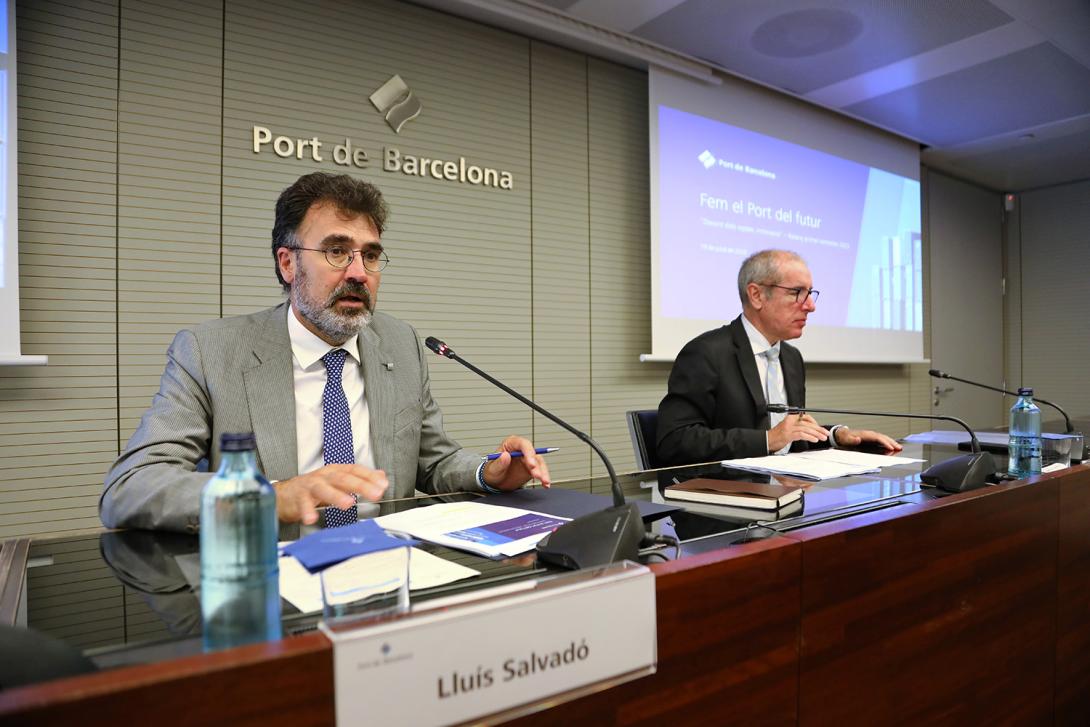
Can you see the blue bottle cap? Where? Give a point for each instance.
(237, 442)
(1025, 391)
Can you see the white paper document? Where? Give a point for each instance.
(359, 578)
(823, 464)
(860, 459)
(999, 439)
(489, 530)
(943, 436)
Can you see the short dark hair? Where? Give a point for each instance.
(347, 194)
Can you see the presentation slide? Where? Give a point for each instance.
(10, 348)
(727, 192)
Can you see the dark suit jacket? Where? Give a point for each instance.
(715, 406)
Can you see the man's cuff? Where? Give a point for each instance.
(480, 480)
(832, 435)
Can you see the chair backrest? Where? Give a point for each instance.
(643, 427)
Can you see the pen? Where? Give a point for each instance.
(539, 450)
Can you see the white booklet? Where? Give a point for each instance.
(858, 459)
(489, 530)
(822, 464)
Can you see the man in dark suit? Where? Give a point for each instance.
(716, 406)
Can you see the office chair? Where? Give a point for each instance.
(31, 656)
(643, 427)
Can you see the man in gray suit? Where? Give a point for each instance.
(266, 373)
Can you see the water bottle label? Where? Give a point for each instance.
(1025, 456)
(1025, 446)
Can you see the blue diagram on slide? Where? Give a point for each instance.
(887, 285)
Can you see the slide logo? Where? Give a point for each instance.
(707, 159)
(396, 100)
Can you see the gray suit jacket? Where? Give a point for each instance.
(235, 375)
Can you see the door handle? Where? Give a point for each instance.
(939, 391)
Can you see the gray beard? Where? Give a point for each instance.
(335, 327)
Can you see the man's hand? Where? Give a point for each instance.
(511, 473)
(854, 437)
(297, 499)
(793, 428)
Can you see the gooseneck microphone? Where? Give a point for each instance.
(784, 409)
(434, 344)
(598, 538)
(958, 474)
(943, 375)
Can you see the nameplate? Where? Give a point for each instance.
(503, 653)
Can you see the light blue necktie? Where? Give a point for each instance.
(773, 389)
(336, 430)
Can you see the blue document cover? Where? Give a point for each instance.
(324, 548)
(507, 531)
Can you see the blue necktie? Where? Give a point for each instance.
(336, 430)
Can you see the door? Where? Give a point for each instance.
(966, 274)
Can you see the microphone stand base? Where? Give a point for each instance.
(962, 473)
(598, 538)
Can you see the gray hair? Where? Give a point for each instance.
(762, 268)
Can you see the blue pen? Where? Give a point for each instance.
(539, 450)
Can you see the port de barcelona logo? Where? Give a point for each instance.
(398, 104)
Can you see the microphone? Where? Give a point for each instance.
(943, 375)
(598, 538)
(958, 474)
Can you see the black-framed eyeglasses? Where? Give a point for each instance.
(801, 294)
(340, 257)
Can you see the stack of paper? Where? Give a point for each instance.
(489, 530)
(942, 436)
(359, 578)
(822, 464)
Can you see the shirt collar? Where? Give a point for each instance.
(308, 349)
(757, 341)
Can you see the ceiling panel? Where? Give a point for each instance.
(1025, 89)
(800, 45)
(558, 4)
(969, 78)
(1020, 165)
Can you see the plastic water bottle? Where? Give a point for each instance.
(1025, 436)
(240, 572)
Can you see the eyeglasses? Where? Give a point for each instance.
(340, 257)
(801, 294)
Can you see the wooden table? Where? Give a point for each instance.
(973, 609)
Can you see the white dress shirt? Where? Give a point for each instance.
(310, 377)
